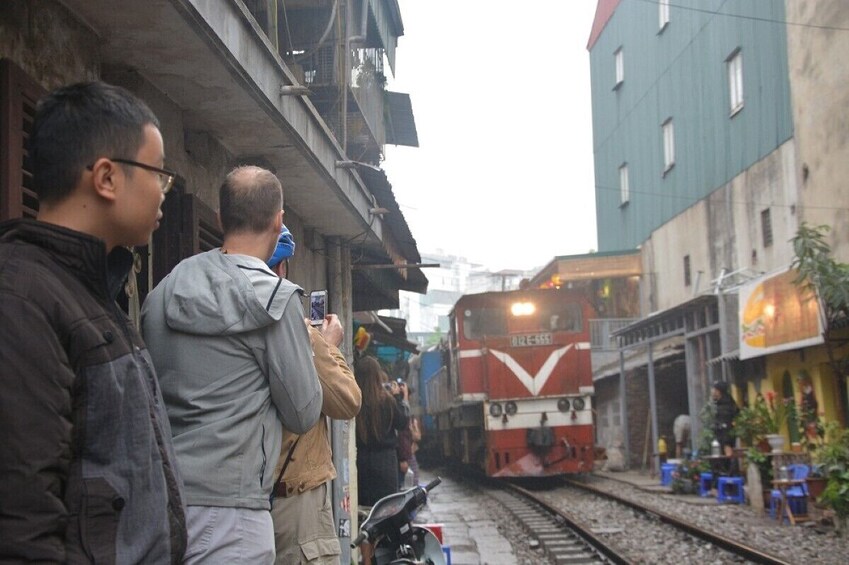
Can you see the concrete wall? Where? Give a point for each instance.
(819, 79)
(724, 231)
(54, 47)
(45, 40)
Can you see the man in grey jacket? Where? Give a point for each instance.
(234, 360)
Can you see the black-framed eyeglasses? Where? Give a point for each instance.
(166, 177)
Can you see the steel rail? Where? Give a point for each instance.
(579, 529)
(750, 553)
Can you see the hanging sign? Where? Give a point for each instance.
(777, 315)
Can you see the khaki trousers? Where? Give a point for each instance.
(304, 530)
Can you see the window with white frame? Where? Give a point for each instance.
(624, 189)
(668, 145)
(663, 13)
(619, 61)
(735, 80)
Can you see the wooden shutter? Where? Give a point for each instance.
(188, 227)
(18, 97)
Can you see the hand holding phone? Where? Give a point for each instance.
(318, 307)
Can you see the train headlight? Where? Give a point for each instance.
(563, 404)
(578, 404)
(522, 308)
(495, 410)
(510, 408)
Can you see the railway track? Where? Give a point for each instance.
(732, 546)
(566, 540)
(563, 539)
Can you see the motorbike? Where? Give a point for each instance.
(393, 537)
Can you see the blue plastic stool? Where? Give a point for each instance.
(666, 473)
(705, 484)
(798, 503)
(735, 485)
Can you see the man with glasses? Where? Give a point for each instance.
(87, 470)
(231, 349)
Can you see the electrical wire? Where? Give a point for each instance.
(659, 77)
(694, 199)
(742, 17)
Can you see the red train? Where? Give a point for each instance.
(515, 398)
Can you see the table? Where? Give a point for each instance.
(720, 465)
(782, 485)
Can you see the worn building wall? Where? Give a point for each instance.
(725, 231)
(608, 416)
(54, 47)
(664, 252)
(819, 78)
(48, 42)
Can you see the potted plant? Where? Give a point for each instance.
(816, 481)
(685, 478)
(834, 458)
(749, 426)
(774, 413)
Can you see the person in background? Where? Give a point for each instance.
(301, 510)
(88, 471)
(404, 452)
(415, 431)
(233, 355)
(382, 415)
(724, 414)
(681, 431)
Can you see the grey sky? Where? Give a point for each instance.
(501, 96)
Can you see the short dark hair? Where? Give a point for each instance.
(77, 124)
(249, 199)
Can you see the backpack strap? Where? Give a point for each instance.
(279, 485)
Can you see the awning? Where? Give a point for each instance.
(401, 124)
(387, 330)
(730, 356)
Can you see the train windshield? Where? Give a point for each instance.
(520, 317)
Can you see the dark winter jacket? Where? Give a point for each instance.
(87, 472)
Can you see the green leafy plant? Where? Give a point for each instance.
(833, 459)
(685, 477)
(706, 417)
(766, 416)
(749, 425)
(828, 280)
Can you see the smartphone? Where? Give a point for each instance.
(318, 307)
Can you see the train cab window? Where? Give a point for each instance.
(566, 318)
(484, 321)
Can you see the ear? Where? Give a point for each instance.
(278, 223)
(106, 178)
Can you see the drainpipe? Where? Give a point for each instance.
(342, 432)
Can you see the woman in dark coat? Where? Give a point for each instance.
(725, 412)
(380, 417)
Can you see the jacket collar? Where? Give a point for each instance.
(82, 254)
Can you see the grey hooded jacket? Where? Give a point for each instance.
(233, 356)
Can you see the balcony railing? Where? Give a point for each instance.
(601, 330)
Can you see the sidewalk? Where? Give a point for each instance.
(644, 481)
(468, 530)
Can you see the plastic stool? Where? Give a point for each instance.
(705, 484)
(666, 473)
(735, 484)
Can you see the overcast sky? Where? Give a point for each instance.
(501, 96)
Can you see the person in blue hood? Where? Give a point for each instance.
(234, 360)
